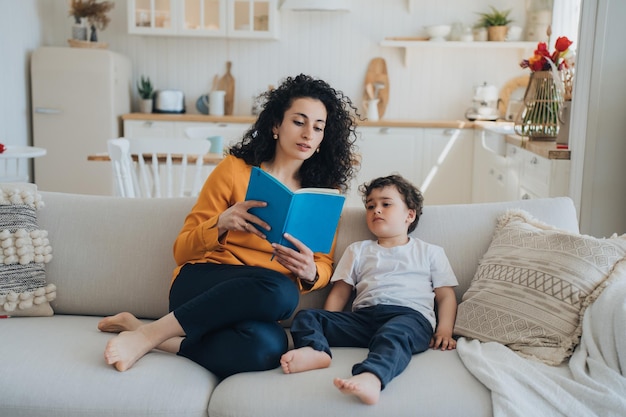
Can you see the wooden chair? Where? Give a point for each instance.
(145, 167)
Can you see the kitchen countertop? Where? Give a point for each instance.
(456, 124)
(547, 149)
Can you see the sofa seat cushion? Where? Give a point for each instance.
(435, 383)
(57, 368)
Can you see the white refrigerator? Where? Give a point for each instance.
(78, 97)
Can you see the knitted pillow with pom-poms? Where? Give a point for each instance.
(24, 250)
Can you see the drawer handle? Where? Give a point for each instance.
(147, 123)
(384, 130)
(534, 160)
(526, 196)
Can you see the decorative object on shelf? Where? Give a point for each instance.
(377, 77)
(543, 100)
(496, 23)
(227, 84)
(146, 92)
(96, 15)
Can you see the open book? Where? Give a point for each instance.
(310, 215)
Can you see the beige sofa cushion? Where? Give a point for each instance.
(533, 285)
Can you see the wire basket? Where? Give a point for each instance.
(539, 119)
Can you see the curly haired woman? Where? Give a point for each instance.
(232, 287)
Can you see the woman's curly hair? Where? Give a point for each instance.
(331, 167)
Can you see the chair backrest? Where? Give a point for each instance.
(162, 166)
(124, 174)
(209, 133)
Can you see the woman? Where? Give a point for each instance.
(231, 287)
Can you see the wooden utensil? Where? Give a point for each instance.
(227, 84)
(376, 76)
(369, 89)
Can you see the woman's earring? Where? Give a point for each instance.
(317, 150)
(275, 136)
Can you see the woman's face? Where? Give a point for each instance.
(302, 129)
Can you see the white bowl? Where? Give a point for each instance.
(438, 32)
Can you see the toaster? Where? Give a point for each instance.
(169, 101)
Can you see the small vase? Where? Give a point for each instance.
(497, 33)
(94, 34)
(539, 119)
(145, 105)
(79, 30)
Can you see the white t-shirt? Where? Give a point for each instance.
(403, 275)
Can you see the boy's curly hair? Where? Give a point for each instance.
(331, 167)
(411, 195)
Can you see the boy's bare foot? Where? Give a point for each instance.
(365, 386)
(121, 322)
(304, 359)
(127, 348)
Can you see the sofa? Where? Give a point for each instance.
(113, 254)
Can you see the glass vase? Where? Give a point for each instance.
(539, 119)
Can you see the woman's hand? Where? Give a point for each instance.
(237, 218)
(300, 262)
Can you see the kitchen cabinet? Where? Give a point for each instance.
(232, 132)
(541, 177)
(491, 180)
(437, 160)
(251, 19)
(518, 174)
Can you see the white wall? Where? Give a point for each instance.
(599, 182)
(334, 46)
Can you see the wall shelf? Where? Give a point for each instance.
(409, 45)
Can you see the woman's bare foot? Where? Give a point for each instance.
(365, 386)
(127, 348)
(121, 322)
(304, 359)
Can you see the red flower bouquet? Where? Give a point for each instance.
(543, 60)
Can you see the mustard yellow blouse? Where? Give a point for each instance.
(198, 241)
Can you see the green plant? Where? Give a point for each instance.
(494, 18)
(145, 88)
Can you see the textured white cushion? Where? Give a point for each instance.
(24, 250)
(533, 284)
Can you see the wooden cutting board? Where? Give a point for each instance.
(377, 73)
(227, 83)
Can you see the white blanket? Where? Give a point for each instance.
(591, 383)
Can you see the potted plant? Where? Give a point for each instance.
(94, 12)
(146, 92)
(496, 23)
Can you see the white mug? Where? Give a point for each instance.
(216, 102)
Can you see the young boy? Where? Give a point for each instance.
(397, 279)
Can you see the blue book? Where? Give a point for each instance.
(311, 215)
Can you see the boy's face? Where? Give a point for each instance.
(387, 214)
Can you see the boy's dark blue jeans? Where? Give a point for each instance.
(391, 333)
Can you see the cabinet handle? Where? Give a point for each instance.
(384, 130)
(526, 196)
(147, 123)
(534, 160)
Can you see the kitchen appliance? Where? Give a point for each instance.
(485, 103)
(78, 96)
(169, 101)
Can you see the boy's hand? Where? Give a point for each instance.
(445, 342)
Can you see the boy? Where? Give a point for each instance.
(397, 279)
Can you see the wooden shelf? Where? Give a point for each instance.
(409, 45)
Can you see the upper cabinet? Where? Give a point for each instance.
(244, 19)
